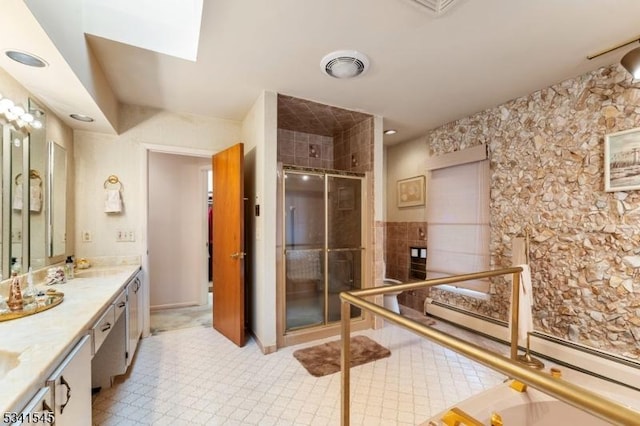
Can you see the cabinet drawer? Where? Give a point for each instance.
(102, 327)
(120, 304)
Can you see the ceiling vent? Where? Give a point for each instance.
(344, 64)
(437, 7)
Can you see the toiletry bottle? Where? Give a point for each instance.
(68, 268)
(15, 294)
(29, 293)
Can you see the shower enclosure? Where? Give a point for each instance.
(323, 245)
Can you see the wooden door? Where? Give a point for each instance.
(228, 243)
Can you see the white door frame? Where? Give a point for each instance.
(144, 220)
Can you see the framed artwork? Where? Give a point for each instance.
(622, 161)
(411, 191)
(346, 198)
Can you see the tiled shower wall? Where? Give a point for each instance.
(401, 236)
(353, 148)
(349, 150)
(305, 149)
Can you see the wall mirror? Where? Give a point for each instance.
(37, 187)
(57, 200)
(15, 220)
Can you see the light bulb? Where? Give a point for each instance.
(36, 124)
(5, 104)
(17, 110)
(27, 118)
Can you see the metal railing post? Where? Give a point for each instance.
(345, 359)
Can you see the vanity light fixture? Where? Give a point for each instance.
(26, 58)
(81, 117)
(390, 132)
(17, 115)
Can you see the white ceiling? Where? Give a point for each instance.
(425, 71)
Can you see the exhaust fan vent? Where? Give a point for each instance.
(344, 64)
(438, 7)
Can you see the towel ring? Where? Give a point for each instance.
(113, 180)
(33, 174)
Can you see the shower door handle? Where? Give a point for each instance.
(238, 255)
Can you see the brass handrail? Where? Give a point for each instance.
(574, 395)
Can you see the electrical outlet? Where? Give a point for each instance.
(131, 236)
(16, 236)
(86, 237)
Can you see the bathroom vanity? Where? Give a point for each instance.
(51, 360)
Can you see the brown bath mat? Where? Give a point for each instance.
(324, 359)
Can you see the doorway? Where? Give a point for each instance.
(177, 220)
(324, 247)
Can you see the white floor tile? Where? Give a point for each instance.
(196, 376)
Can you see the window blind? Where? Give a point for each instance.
(458, 222)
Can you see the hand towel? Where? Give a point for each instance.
(17, 197)
(525, 304)
(113, 202)
(35, 196)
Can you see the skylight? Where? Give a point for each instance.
(171, 27)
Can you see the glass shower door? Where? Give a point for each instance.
(304, 211)
(344, 241)
(323, 246)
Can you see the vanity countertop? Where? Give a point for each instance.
(41, 341)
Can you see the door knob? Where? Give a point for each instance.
(239, 255)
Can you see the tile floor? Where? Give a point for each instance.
(196, 376)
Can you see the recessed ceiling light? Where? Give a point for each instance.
(26, 58)
(344, 64)
(390, 132)
(81, 117)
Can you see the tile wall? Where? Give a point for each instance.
(400, 236)
(305, 149)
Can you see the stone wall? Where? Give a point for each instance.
(546, 153)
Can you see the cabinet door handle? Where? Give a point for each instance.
(65, 383)
(106, 327)
(238, 255)
(122, 304)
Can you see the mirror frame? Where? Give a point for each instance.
(55, 253)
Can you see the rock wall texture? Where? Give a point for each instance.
(547, 165)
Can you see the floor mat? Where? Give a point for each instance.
(324, 359)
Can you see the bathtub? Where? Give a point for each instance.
(529, 408)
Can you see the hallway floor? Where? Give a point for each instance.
(196, 376)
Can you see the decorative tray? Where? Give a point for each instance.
(46, 301)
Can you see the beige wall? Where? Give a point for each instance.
(100, 155)
(546, 153)
(259, 132)
(405, 160)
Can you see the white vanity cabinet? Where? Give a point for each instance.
(37, 411)
(134, 315)
(110, 342)
(70, 385)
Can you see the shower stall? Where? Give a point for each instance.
(323, 245)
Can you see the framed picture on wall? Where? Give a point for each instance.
(411, 191)
(622, 161)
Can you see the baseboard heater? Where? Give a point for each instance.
(592, 361)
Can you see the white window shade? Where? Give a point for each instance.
(458, 222)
